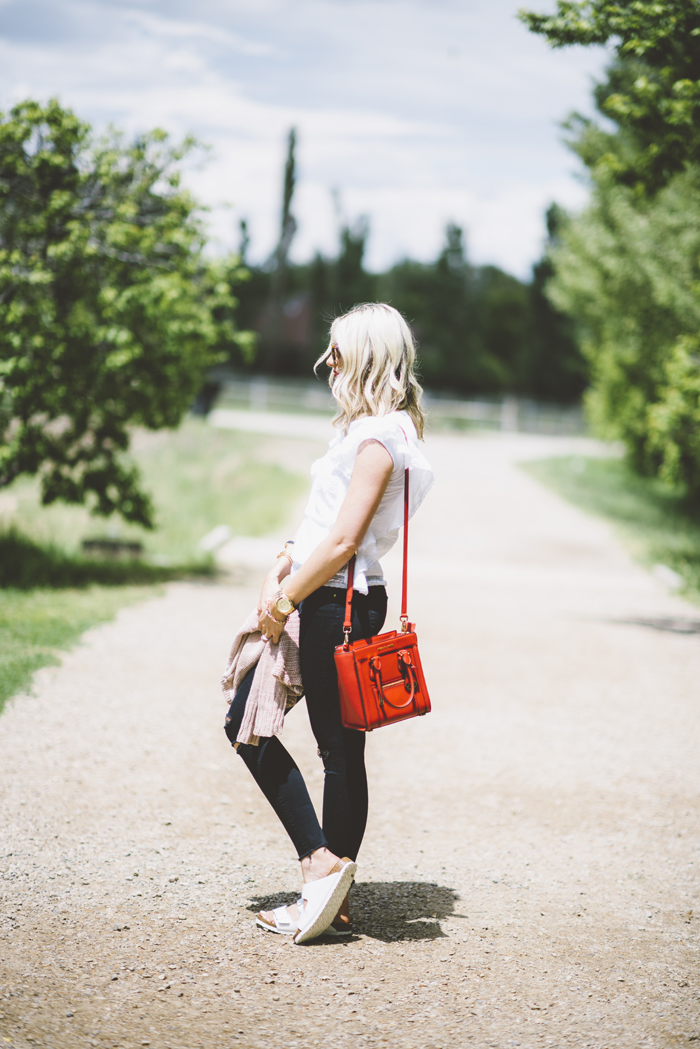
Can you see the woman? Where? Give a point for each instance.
(355, 506)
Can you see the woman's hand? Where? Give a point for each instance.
(271, 628)
(269, 590)
(272, 582)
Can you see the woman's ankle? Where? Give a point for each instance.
(318, 864)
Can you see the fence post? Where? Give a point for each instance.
(509, 414)
(258, 394)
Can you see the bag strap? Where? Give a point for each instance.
(404, 584)
(347, 623)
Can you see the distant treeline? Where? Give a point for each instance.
(480, 330)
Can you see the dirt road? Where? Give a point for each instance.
(530, 872)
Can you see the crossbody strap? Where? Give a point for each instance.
(404, 585)
(347, 624)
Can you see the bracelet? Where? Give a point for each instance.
(276, 620)
(283, 553)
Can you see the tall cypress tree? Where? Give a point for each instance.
(279, 261)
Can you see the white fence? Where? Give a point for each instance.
(261, 394)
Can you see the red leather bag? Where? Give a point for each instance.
(380, 679)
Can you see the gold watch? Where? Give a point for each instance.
(283, 604)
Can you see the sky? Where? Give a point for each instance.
(414, 113)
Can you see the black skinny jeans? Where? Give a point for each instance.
(342, 750)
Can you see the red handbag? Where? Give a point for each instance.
(380, 679)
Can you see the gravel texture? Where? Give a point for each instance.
(530, 871)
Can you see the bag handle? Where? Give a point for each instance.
(347, 623)
(375, 670)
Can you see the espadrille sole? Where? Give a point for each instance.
(323, 899)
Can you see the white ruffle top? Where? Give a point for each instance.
(331, 480)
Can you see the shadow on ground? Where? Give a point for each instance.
(388, 910)
(674, 625)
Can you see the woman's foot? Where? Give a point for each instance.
(280, 920)
(342, 923)
(317, 865)
(322, 897)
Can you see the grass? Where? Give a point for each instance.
(50, 593)
(654, 521)
(35, 625)
(199, 477)
(26, 564)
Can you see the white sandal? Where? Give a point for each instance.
(322, 900)
(283, 922)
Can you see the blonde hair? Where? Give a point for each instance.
(378, 355)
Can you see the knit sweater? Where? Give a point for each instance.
(277, 684)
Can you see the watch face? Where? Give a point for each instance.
(284, 605)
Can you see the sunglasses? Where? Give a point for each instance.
(334, 357)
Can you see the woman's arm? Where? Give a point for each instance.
(273, 581)
(370, 476)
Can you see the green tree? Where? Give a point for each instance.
(252, 295)
(628, 268)
(336, 285)
(439, 301)
(674, 417)
(106, 306)
(273, 317)
(480, 330)
(505, 328)
(474, 324)
(353, 284)
(222, 280)
(655, 96)
(550, 364)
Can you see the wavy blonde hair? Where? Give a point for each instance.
(377, 354)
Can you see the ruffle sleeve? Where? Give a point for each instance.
(384, 429)
(398, 435)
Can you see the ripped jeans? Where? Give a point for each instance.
(342, 750)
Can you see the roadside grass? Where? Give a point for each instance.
(656, 523)
(50, 593)
(36, 625)
(26, 564)
(198, 477)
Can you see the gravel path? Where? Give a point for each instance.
(530, 872)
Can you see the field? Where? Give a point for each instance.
(199, 478)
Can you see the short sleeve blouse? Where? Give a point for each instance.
(331, 480)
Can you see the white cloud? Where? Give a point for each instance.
(164, 28)
(418, 113)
